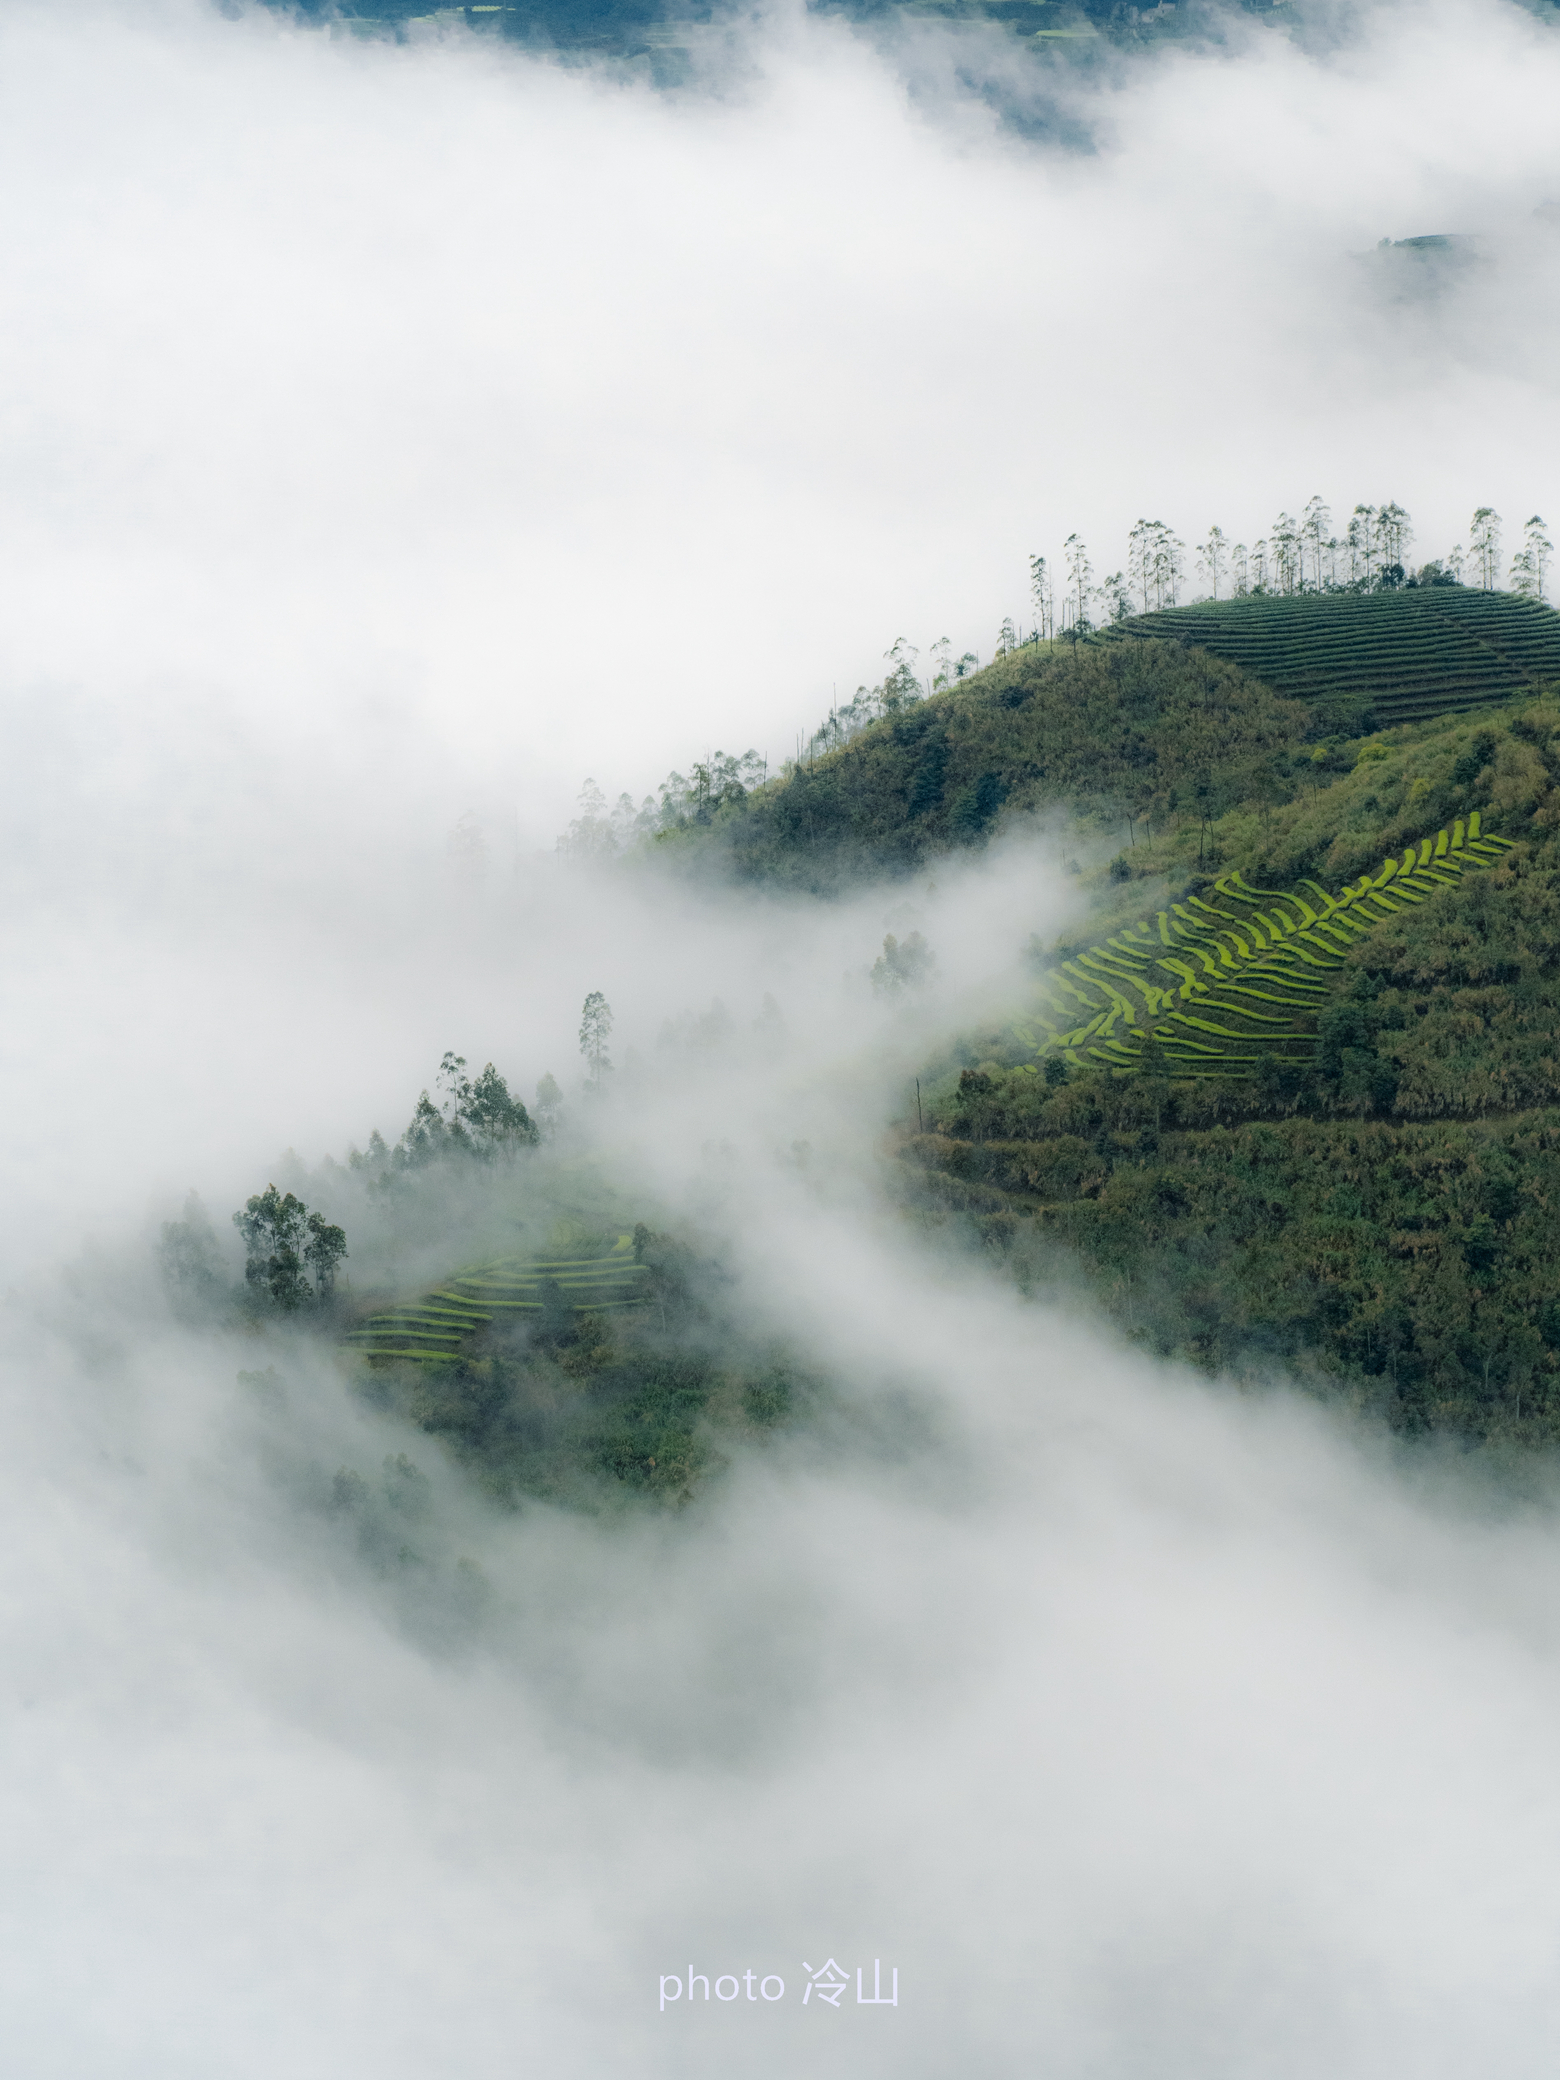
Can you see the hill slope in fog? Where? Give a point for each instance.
(1365, 1199)
(1273, 1103)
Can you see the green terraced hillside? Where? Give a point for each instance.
(1211, 988)
(437, 1329)
(1409, 654)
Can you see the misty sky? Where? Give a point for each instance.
(388, 432)
(383, 398)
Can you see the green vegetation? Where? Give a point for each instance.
(609, 1376)
(597, 1366)
(1123, 733)
(1222, 987)
(1291, 1097)
(1401, 654)
(286, 1247)
(1412, 1267)
(1368, 1203)
(438, 1329)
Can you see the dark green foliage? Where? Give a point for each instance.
(489, 1114)
(1131, 734)
(1378, 1214)
(324, 1250)
(1471, 764)
(926, 788)
(974, 807)
(284, 1243)
(1413, 1265)
(1466, 1002)
(478, 1121)
(769, 1399)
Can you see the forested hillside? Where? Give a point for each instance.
(1368, 1195)
(1293, 1093)
(1125, 734)
(1289, 1095)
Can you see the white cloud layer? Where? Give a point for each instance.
(401, 398)
(387, 430)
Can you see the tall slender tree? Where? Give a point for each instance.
(595, 1026)
(1362, 544)
(1041, 598)
(1314, 526)
(1080, 580)
(1484, 546)
(1140, 559)
(1530, 565)
(1394, 534)
(1284, 553)
(1213, 554)
(1169, 565)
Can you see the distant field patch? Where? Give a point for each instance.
(438, 1328)
(1408, 654)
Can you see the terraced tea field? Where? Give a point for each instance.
(438, 1328)
(1213, 988)
(1408, 654)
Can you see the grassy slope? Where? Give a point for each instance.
(1379, 1216)
(1118, 730)
(1382, 1216)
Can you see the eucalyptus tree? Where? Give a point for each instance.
(1213, 553)
(1114, 598)
(284, 1245)
(1169, 566)
(1140, 558)
(1314, 525)
(1361, 542)
(1393, 535)
(1284, 547)
(595, 1027)
(1530, 565)
(1042, 598)
(1484, 546)
(1080, 578)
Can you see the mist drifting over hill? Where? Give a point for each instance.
(399, 431)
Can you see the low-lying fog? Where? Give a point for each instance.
(392, 432)
(1141, 1725)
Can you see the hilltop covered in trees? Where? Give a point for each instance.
(1123, 734)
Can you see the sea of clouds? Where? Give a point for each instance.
(392, 432)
